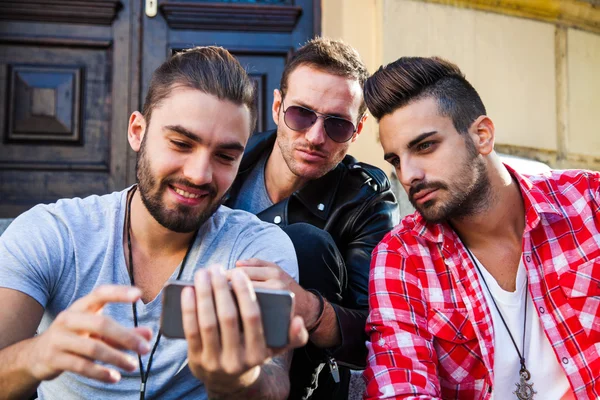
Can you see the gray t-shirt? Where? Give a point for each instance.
(253, 196)
(60, 252)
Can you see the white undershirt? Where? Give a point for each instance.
(547, 375)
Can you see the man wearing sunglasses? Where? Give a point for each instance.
(334, 208)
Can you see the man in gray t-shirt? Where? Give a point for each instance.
(88, 274)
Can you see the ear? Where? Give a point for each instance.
(359, 127)
(277, 99)
(136, 130)
(483, 134)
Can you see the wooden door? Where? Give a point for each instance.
(72, 71)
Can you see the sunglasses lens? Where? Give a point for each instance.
(298, 118)
(339, 130)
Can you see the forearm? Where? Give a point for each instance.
(16, 382)
(272, 383)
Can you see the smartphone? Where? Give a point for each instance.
(276, 307)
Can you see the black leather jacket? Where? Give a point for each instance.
(355, 205)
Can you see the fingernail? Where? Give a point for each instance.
(115, 376)
(188, 295)
(133, 363)
(133, 293)
(143, 347)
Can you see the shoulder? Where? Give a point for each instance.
(243, 235)
(240, 223)
(69, 214)
(404, 240)
(364, 173)
(568, 185)
(562, 179)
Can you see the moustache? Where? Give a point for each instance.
(309, 147)
(425, 186)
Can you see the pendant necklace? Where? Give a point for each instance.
(524, 389)
(144, 374)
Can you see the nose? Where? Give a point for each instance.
(198, 168)
(410, 172)
(316, 134)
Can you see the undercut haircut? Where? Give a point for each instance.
(409, 79)
(331, 56)
(210, 69)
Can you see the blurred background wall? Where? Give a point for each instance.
(535, 63)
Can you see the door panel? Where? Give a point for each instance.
(266, 71)
(58, 85)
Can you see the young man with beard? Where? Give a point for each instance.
(492, 288)
(90, 272)
(334, 208)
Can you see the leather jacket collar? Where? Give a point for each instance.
(317, 195)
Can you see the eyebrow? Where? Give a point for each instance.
(233, 145)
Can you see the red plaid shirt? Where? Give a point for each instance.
(430, 329)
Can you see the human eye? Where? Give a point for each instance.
(226, 158)
(395, 161)
(425, 146)
(181, 145)
(304, 112)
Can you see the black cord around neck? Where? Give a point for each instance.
(144, 374)
(521, 356)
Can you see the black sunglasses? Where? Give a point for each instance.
(299, 118)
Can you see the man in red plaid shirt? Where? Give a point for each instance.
(492, 288)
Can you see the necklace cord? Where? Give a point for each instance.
(144, 374)
(521, 356)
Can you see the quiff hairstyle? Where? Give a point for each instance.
(331, 56)
(211, 69)
(409, 79)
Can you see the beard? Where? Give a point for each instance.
(469, 191)
(181, 219)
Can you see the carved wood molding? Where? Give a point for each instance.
(230, 16)
(55, 41)
(583, 14)
(97, 12)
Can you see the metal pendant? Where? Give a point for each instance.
(524, 389)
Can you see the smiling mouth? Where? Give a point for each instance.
(187, 195)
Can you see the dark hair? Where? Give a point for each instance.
(211, 69)
(331, 56)
(413, 78)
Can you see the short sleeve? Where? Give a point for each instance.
(268, 242)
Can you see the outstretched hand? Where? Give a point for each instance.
(81, 335)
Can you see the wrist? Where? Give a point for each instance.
(229, 389)
(317, 308)
(28, 359)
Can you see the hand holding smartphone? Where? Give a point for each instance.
(276, 307)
